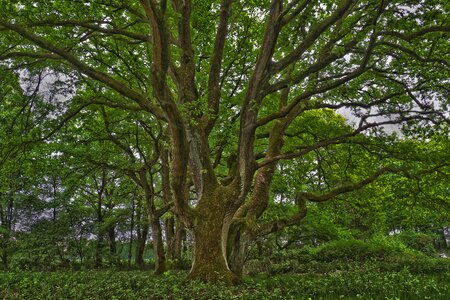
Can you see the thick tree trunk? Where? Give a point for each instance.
(169, 225)
(210, 239)
(209, 261)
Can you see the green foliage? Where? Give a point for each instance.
(418, 241)
(379, 247)
(362, 284)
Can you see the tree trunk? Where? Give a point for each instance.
(180, 236)
(158, 247)
(140, 245)
(99, 251)
(210, 239)
(131, 233)
(169, 225)
(237, 249)
(209, 262)
(175, 235)
(112, 240)
(114, 258)
(4, 243)
(4, 249)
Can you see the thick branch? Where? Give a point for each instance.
(92, 26)
(416, 34)
(116, 85)
(216, 62)
(349, 187)
(277, 225)
(332, 141)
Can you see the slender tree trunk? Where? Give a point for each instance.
(140, 245)
(112, 243)
(180, 236)
(6, 224)
(4, 240)
(237, 249)
(169, 225)
(131, 233)
(112, 240)
(158, 247)
(79, 247)
(99, 251)
(4, 245)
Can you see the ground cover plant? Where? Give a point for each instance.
(358, 284)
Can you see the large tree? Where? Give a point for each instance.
(231, 82)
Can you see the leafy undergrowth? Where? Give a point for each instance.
(360, 284)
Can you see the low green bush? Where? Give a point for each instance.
(342, 250)
(418, 241)
(379, 247)
(380, 254)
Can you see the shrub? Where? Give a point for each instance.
(379, 247)
(342, 250)
(418, 241)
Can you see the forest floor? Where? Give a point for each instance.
(143, 285)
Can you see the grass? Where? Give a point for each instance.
(359, 284)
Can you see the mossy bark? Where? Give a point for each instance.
(210, 236)
(209, 261)
(237, 249)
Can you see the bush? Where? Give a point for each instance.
(257, 266)
(380, 254)
(342, 250)
(418, 241)
(379, 247)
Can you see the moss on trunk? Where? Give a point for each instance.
(210, 235)
(209, 262)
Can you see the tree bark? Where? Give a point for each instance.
(210, 239)
(140, 245)
(158, 247)
(237, 249)
(180, 236)
(112, 243)
(99, 251)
